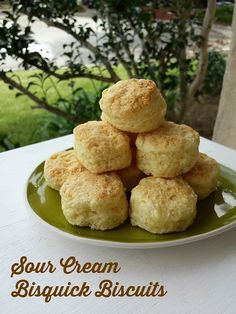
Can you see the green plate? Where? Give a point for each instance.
(215, 214)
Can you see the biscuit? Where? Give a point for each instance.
(133, 105)
(101, 148)
(167, 152)
(162, 205)
(59, 167)
(203, 177)
(95, 201)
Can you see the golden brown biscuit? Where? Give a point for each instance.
(96, 201)
(162, 205)
(133, 105)
(169, 151)
(59, 167)
(203, 177)
(101, 148)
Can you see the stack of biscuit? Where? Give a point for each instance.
(132, 149)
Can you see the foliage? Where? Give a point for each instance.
(132, 35)
(20, 125)
(84, 104)
(6, 144)
(224, 14)
(31, 126)
(213, 81)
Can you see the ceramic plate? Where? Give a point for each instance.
(215, 214)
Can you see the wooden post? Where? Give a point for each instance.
(225, 126)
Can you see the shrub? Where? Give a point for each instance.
(213, 81)
(84, 104)
(134, 36)
(224, 14)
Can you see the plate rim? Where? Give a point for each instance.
(120, 244)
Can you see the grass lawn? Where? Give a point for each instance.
(19, 123)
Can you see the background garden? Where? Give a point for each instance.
(44, 96)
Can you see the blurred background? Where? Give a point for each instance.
(56, 57)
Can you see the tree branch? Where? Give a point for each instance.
(203, 58)
(183, 84)
(113, 76)
(127, 49)
(41, 103)
(117, 53)
(67, 76)
(64, 76)
(183, 15)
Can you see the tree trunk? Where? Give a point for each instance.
(203, 61)
(225, 126)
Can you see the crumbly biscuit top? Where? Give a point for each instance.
(165, 191)
(98, 132)
(92, 186)
(63, 161)
(168, 135)
(129, 96)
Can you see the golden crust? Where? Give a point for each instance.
(96, 201)
(59, 167)
(162, 205)
(204, 175)
(101, 148)
(133, 105)
(167, 152)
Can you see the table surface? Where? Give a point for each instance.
(199, 277)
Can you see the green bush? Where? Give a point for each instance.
(20, 125)
(6, 144)
(212, 84)
(224, 14)
(134, 38)
(84, 104)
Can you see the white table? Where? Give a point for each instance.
(199, 277)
